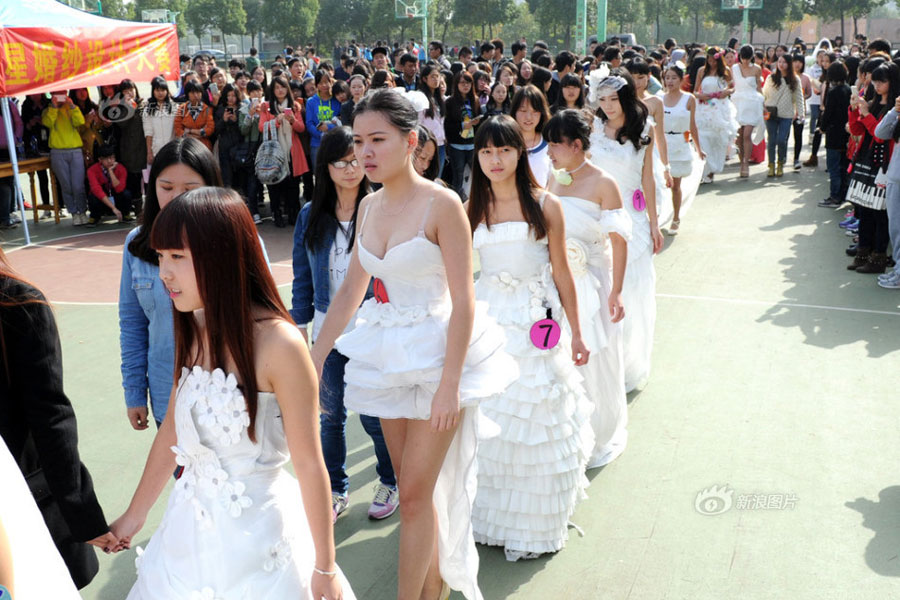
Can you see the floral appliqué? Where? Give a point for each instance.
(278, 557)
(577, 254)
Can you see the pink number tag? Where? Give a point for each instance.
(545, 334)
(638, 200)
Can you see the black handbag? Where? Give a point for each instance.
(773, 111)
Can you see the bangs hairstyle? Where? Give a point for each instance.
(498, 132)
(336, 144)
(232, 278)
(569, 125)
(636, 113)
(536, 99)
(186, 151)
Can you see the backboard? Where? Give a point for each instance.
(741, 4)
(410, 9)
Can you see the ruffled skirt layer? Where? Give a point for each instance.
(531, 476)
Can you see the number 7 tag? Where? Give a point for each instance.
(545, 333)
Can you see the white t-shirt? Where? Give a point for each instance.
(338, 263)
(539, 161)
(814, 72)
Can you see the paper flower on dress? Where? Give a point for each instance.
(505, 281)
(137, 559)
(279, 556)
(562, 176)
(213, 478)
(206, 593)
(577, 254)
(234, 500)
(185, 486)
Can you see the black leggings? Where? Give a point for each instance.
(798, 138)
(873, 229)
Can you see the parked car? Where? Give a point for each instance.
(626, 39)
(221, 57)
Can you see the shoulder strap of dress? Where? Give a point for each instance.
(425, 216)
(362, 223)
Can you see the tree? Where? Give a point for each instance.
(117, 9)
(830, 10)
(863, 8)
(290, 20)
(772, 16)
(225, 16)
(253, 23)
(624, 12)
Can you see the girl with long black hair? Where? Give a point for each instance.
(245, 404)
(622, 136)
(867, 190)
(323, 244)
(520, 236)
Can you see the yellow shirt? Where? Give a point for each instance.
(63, 124)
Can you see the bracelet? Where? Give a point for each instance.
(326, 573)
(666, 168)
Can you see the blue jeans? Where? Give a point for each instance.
(779, 130)
(458, 161)
(837, 164)
(442, 156)
(332, 424)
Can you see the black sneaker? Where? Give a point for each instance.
(8, 225)
(830, 203)
(92, 222)
(127, 218)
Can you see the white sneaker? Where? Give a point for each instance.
(385, 502)
(256, 218)
(892, 282)
(517, 555)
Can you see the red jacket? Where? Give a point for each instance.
(299, 164)
(860, 126)
(99, 183)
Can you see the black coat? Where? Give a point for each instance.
(833, 120)
(37, 423)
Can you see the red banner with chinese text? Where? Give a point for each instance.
(36, 59)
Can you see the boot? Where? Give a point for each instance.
(812, 161)
(862, 257)
(877, 264)
(779, 170)
(771, 172)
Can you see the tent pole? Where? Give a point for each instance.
(11, 145)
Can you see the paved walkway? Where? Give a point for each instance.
(774, 375)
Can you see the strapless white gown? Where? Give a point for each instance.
(716, 123)
(590, 258)
(235, 527)
(531, 476)
(625, 164)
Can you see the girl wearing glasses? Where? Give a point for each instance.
(323, 242)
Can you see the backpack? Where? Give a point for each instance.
(271, 163)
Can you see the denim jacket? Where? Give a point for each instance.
(147, 332)
(311, 286)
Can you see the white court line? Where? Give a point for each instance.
(74, 249)
(777, 304)
(66, 303)
(59, 239)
